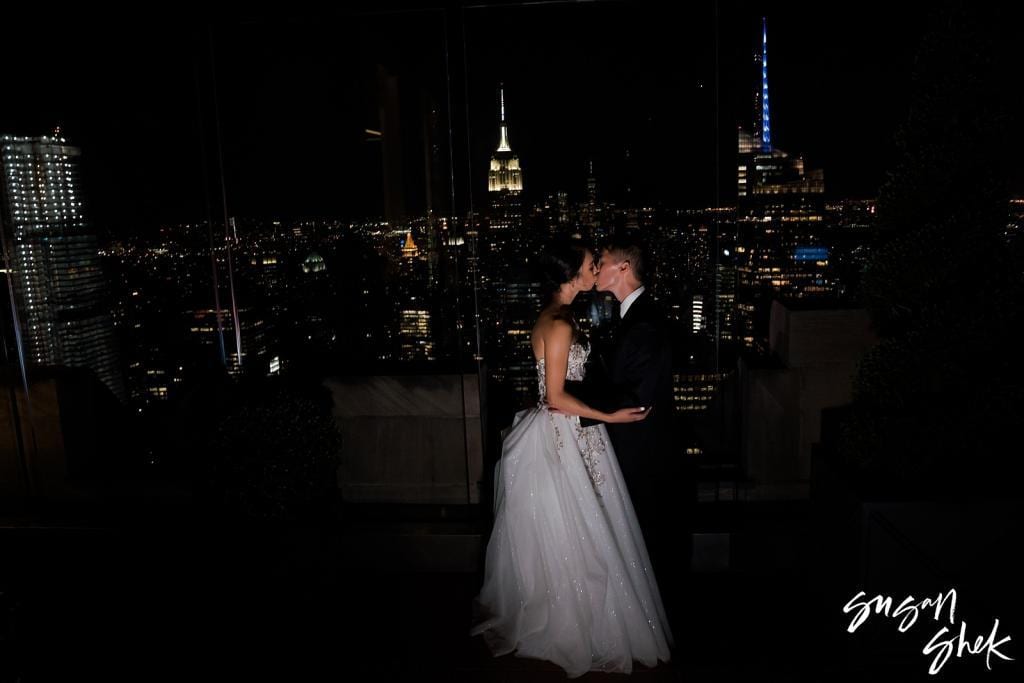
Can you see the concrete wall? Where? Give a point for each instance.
(409, 439)
(42, 449)
(814, 359)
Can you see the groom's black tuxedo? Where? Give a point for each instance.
(632, 369)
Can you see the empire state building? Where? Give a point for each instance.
(504, 190)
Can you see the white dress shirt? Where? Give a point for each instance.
(628, 301)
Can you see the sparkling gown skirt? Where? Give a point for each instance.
(567, 576)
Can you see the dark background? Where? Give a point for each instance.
(297, 89)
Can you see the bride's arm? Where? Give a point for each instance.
(556, 361)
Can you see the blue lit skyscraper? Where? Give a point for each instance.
(780, 250)
(58, 284)
(764, 123)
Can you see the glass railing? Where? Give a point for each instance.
(213, 214)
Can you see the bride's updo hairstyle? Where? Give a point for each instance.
(558, 264)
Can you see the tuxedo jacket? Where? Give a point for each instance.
(632, 369)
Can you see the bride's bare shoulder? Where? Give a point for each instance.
(549, 329)
(548, 324)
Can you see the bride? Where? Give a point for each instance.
(567, 576)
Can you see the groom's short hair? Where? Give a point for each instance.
(628, 247)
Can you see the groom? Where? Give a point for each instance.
(635, 369)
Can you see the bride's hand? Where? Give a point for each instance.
(628, 415)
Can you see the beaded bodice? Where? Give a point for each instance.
(578, 354)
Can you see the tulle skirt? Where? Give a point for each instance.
(567, 576)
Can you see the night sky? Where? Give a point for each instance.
(296, 92)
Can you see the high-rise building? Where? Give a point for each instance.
(516, 366)
(501, 244)
(504, 192)
(415, 334)
(61, 293)
(1015, 226)
(852, 235)
(551, 218)
(591, 212)
(781, 251)
(591, 185)
(698, 321)
(203, 331)
(265, 271)
(695, 389)
(409, 248)
(505, 174)
(725, 296)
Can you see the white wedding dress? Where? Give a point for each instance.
(567, 576)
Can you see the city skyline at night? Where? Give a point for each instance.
(714, 298)
(300, 332)
(593, 120)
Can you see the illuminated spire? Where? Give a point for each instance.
(503, 143)
(766, 129)
(409, 249)
(505, 173)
